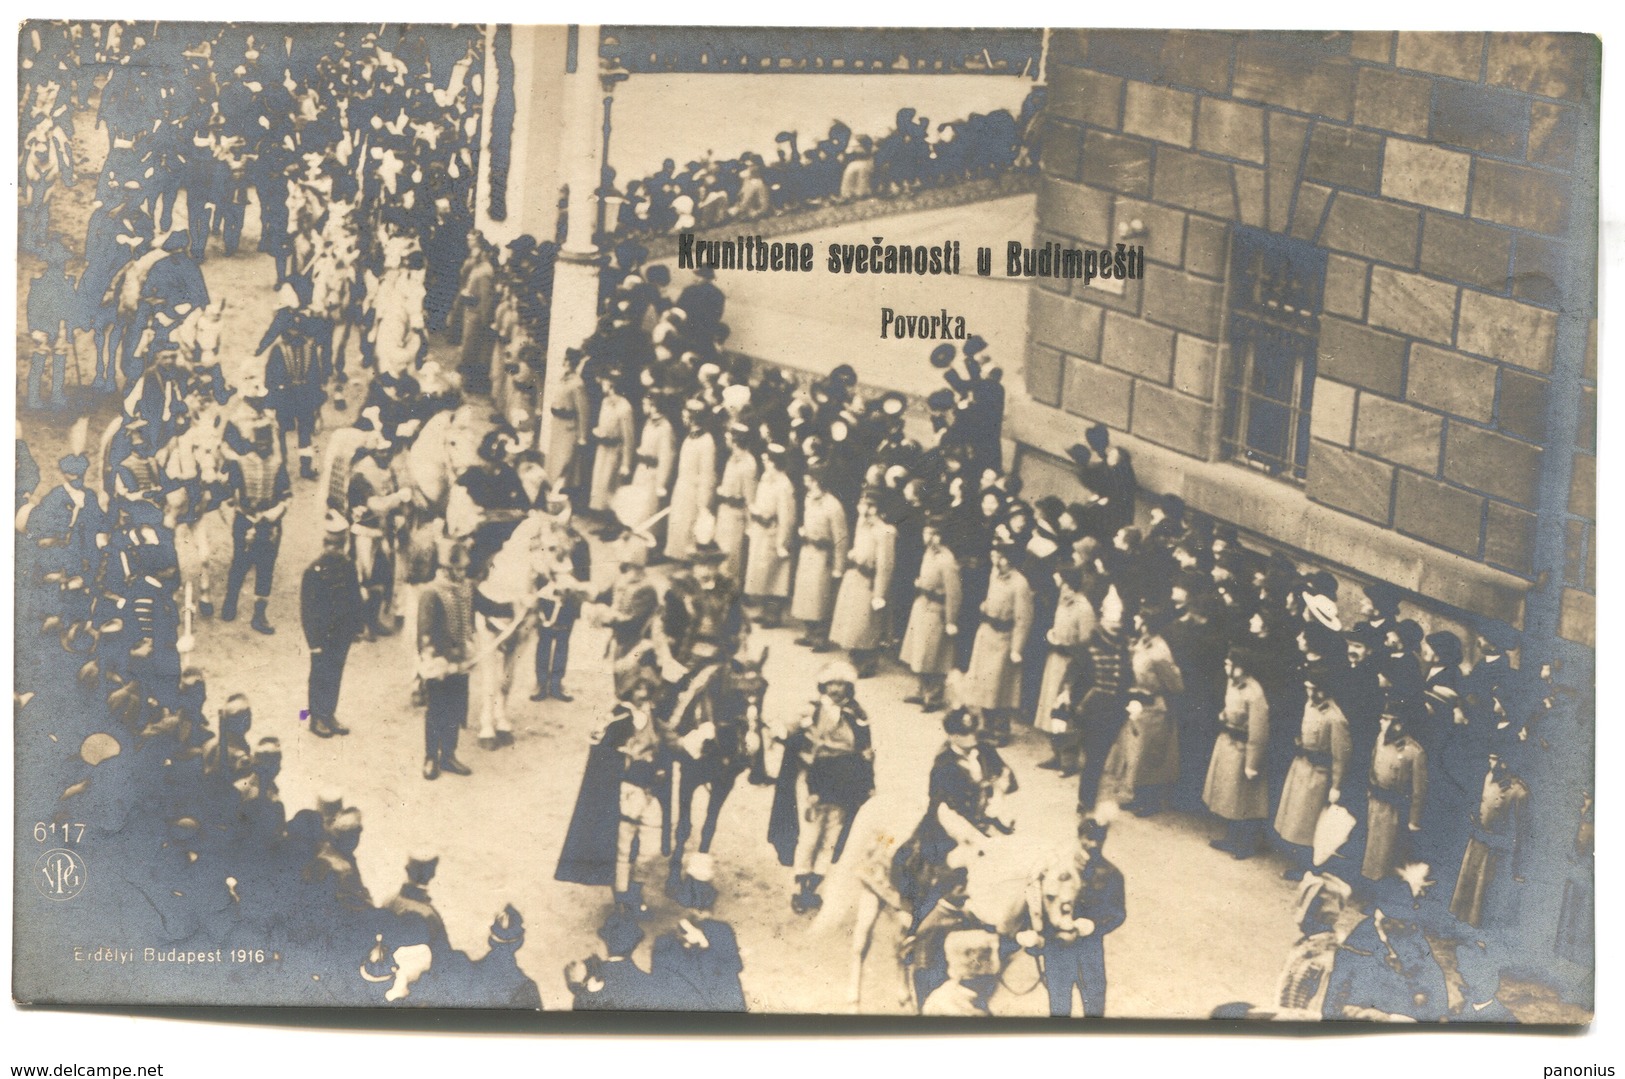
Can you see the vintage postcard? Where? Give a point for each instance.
(1001, 522)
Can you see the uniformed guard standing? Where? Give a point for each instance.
(293, 380)
(1398, 789)
(331, 613)
(1073, 901)
(445, 654)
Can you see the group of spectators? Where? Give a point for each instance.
(841, 167)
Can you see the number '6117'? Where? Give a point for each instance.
(50, 832)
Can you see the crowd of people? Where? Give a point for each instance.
(1171, 667)
(843, 166)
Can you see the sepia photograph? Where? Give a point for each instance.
(1049, 524)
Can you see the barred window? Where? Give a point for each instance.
(1275, 290)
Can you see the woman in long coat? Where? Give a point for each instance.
(1147, 748)
(1237, 790)
(928, 642)
(1314, 780)
(993, 679)
(772, 524)
(567, 439)
(695, 483)
(735, 492)
(639, 500)
(858, 624)
(821, 563)
(612, 466)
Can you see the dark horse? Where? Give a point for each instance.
(713, 714)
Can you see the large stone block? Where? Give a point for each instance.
(1392, 102)
(1117, 163)
(1230, 129)
(1374, 45)
(1164, 229)
(1132, 345)
(1583, 486)
(1459, 55)
(1044, 374)
(1438, 513)
(1349, 482)
(1205, 249)
(1492, 463)
(1136, 54)
(1509, 538)
(1283, 71)
(1467, 251)
(1193, 182)
(1331, 416)
(1073, 209)
(1586, 436)
(1160, 113)
(1539, 269)
(1554, 131)
(1350, 352)
(1199, 58)
(1413, 304)
(1479, 118)
(1450, 382)
(1288, 141)
(1087, 97)
(1347, 282)
(1522, 197)
(1522, 407)
(1195, 366)
(1418, 172)
(1096, 392)
(1375, 229)
(1507, 330)
(1250, 195)
(1171, 419)
(1310, 211)
(1063, 149)
(1345, 157)
(1399, 433)
(1065, 324)
(1577, 618)
(1185, 302)
(1550, 65)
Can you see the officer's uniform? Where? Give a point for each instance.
(331, 614)
(1070, 887)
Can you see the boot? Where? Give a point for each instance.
(228, 613)
(59, 369)
(318, 727)
(259, 623)
(334, 726)
(307, 466)
(631, 902)
(798, 902)
(452, 766)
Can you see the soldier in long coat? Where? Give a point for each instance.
(735, 492)
(858, 624)
(928, 643)
(650, 486)
(1314, 779)
(1237, 790)
(1073, 625)
(695, 484)
(567, 439)
(1496, 849)
(993, 679)
(1397, 794)
(612, 466)
(821, 563)
(772, 523)
(331, 613)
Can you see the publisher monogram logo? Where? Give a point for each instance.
(61, 874)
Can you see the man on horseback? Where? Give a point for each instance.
(703, 618)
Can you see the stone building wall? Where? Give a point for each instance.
(1449, 178)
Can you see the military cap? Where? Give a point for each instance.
(348, 820)
(940, 400)
(508, 927)
(74, 464)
